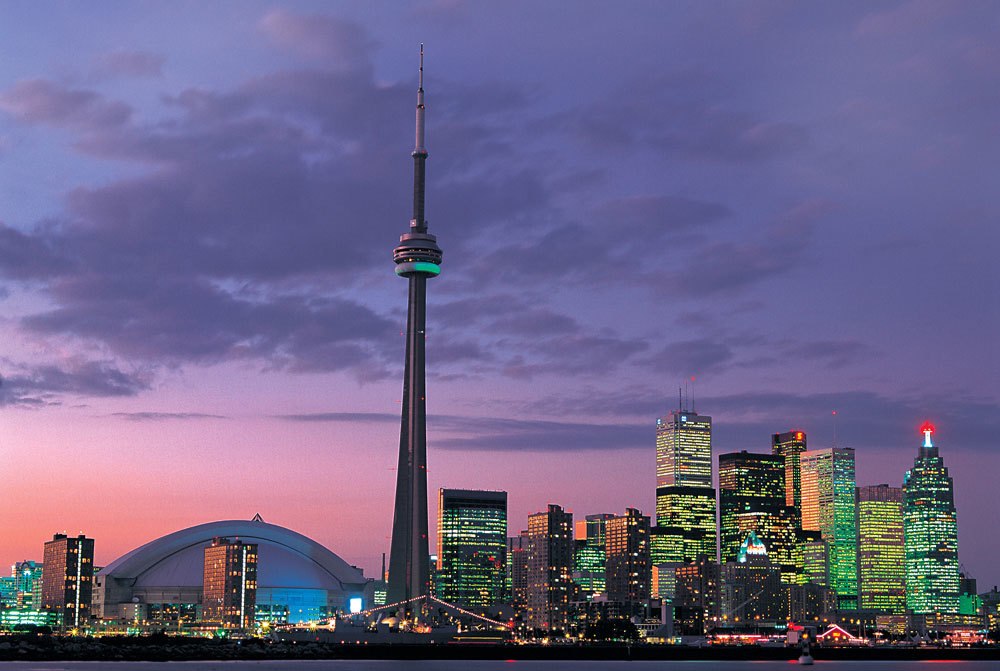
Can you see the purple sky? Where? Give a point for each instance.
(794, 202)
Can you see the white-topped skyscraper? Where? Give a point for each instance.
(417, 258)
(685, 498)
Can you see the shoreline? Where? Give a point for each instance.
(166, 649)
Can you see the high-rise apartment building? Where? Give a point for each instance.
(685, 497)
(628, 567)
(517, 569)
(550, 568)
(828, 506)
(881, 583)
(471, 537)
(752, 499)
(229, 595)
(930, 530)
(68, 578)
(696, 597)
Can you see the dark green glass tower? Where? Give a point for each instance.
(930, 533)
(752, 499)
(472, 545)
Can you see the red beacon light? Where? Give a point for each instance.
(927, 429)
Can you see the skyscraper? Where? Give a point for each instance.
(790, 445)
(590, 555)
(752, 499)
(828, 506)
(68, 577)
(229, 593)
(417, 258)
(684, 450)
(628, 568)
(550, 567)
(472, 537)
(881, 583)
(685, 497)
(930, 530)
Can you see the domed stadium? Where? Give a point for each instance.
(162, 581)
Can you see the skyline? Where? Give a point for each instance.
(792, 204)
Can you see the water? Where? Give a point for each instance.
(489, 665)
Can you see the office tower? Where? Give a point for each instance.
(628, 567)
(696, 597)
(589, 561)
(685, 497)
(930, 530)
(417, 258)
(229, 596)
(828, 506)
(550, 567)
(790, 445)
(686, 519)
(815, 563)
(472, 537)
(68, 578)
(517, 569)
(752, 499)
(881, 583)
(684, 450)
(27, 577)
(750, 586)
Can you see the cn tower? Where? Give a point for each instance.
(417, 258)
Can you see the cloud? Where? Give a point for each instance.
(450, 432)
(124, 63)
(37, 101)
(164, 416)
(32, 386)
(336, 42)
(691, 357)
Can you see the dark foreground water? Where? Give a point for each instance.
(476, 665)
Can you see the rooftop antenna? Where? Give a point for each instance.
(692, 396)
(834, 428)
(680, 400)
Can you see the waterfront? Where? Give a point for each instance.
(489, 665)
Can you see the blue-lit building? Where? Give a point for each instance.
(298, 579)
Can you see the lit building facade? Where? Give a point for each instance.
(589, 562)
(471, 556)
(27, 577)
(696, 597)
(549, 569)
(628, 561)
(229, 598)
(68, 578)
(684, 450)
(789, 445)
(828, 506)
(685, 517)
(881, 583)
(517, 569)
(752, 499)
(685, 497)
(930, 530)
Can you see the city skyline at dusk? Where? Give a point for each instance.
(786, 209)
